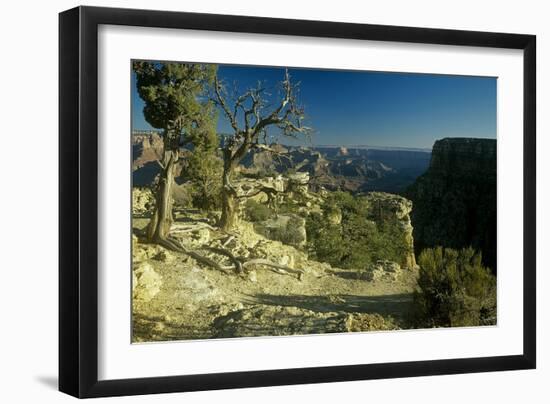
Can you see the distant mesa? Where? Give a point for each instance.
(467, 155)
(147, 146)
(348, 168)
(147, 149)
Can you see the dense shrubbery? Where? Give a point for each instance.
(257, 211)
(204, 171)
(183, 195)
(455, 289)
(345, 236)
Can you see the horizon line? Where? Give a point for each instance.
(356, 146)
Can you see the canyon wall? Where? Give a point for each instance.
(454, 202)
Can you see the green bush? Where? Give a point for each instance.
(183, 195)
(325, 240)
(203, 170)
(257, 211)
(455, 289)
(345, 236)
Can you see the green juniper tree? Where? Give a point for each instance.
(174, 103)
(204, 168)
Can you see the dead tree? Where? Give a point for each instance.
(250, 117)
(172, 103)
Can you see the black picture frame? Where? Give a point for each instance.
(78, 201)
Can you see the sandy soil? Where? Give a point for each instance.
(198, 302)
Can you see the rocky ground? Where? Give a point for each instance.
(177, 298)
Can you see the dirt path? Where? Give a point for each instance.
(196, 302)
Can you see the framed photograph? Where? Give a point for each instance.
(250, 201)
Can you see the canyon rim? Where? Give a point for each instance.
(286, 201)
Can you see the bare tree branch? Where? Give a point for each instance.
(287, 116)
(220, 100)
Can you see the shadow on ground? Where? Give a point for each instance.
(397, 305)
(157, 328)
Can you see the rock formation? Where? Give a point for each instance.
(455, 200)
(288, 229)
(146, 148)
(143, 201)
(146, 282)
(279, 320)
(146, 151)
(392, 211)
(383, 270)
(343, 151)
(343, 168)
(353, 232)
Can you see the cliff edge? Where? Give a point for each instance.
(454, 202)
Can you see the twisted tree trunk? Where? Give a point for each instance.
(159, 226)
(250, 109)
(230, 203)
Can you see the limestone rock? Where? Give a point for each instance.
(394, 210)
(288, 229)
(143, 201)
(251, 185)
(144, 252)
(252, 277)
(194, 287)
(262, 320)
(277, 320)
(201, 236)
(147, 282)
(298, 184)
(386, 213)
(383, 270)
(455, 200)
(165, 256)
(465, 155)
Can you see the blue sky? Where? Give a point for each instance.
(373, 108)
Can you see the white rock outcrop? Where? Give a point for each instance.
(146, 282)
